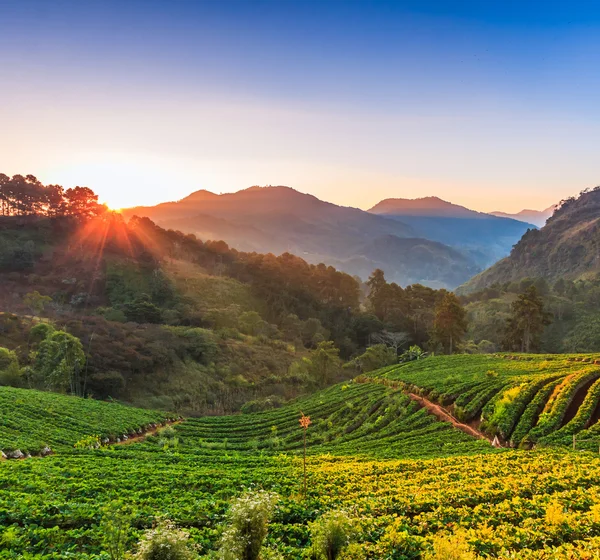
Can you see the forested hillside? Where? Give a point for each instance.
(567, 247)
(441, 251)
(97, 306)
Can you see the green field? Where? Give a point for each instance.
(31, 420)
(404, 477)
(541, 400)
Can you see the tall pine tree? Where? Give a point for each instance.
(526, 324)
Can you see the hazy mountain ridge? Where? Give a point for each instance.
(281, 219)
(536, 217)
(568, 246)
(484, 237)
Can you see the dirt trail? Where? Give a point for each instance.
(142, 437)
(437, 410)
(442, 414)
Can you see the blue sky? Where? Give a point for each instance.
(489, 104)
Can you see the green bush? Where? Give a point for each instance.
(248, 522)
(115, 527)
(330, 535)
(165, 542)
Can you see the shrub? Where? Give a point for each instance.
(452, 547)
(115, 526)
(330, 535)
(165, 542)
(248, 517)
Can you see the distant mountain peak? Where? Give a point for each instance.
(537, 217)
(197, 196)
(425, 206)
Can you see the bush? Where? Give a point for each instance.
(330, 535)
(165, 542)
(10, 372)
(115, 527)
(248, 524)
(261, 405)
(452, 547)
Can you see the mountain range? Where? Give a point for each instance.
(536, 217)
(568, 247)
(428, 241)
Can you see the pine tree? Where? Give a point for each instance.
(526, 323)
(450, 323)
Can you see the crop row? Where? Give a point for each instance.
(33, 420)
(506, 503)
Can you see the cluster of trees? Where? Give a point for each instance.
(416, 314)
(26, 196)
(55, 362)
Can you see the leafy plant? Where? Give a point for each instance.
(165, 542)
(330, 535)
(248, 521)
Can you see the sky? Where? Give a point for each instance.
(492, 105)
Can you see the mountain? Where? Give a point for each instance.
(568, 246)
(485, 237)
(536, 217)
(412, 261)
(281, 219)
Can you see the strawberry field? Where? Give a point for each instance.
(405, 478)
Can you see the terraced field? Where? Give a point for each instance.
(33, 420)
(405, 478)
(524, 400)
(359, 419)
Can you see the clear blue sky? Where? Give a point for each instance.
(493, 105)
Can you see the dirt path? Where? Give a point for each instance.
(437, 410)
(142, 437)
(442, 414)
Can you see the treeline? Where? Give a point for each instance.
(566, 313)
(26, 196)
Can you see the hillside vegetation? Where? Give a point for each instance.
(566, 247)
(371, 453)
(524, 400)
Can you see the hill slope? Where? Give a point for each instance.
(567, 247)
(32, 420)
(191, 473)
(280, 219)
(522, 399)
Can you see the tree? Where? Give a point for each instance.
(375, 357)
(10, 372)
(376, 298)
(142, 310)
(83, 202)
(324, 363)
(450, 323)
(526, 322)
(59, 361)
(36, 302)
(394, 340)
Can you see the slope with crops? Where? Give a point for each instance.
(524, 400)
(372, 452)
(34, 422)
